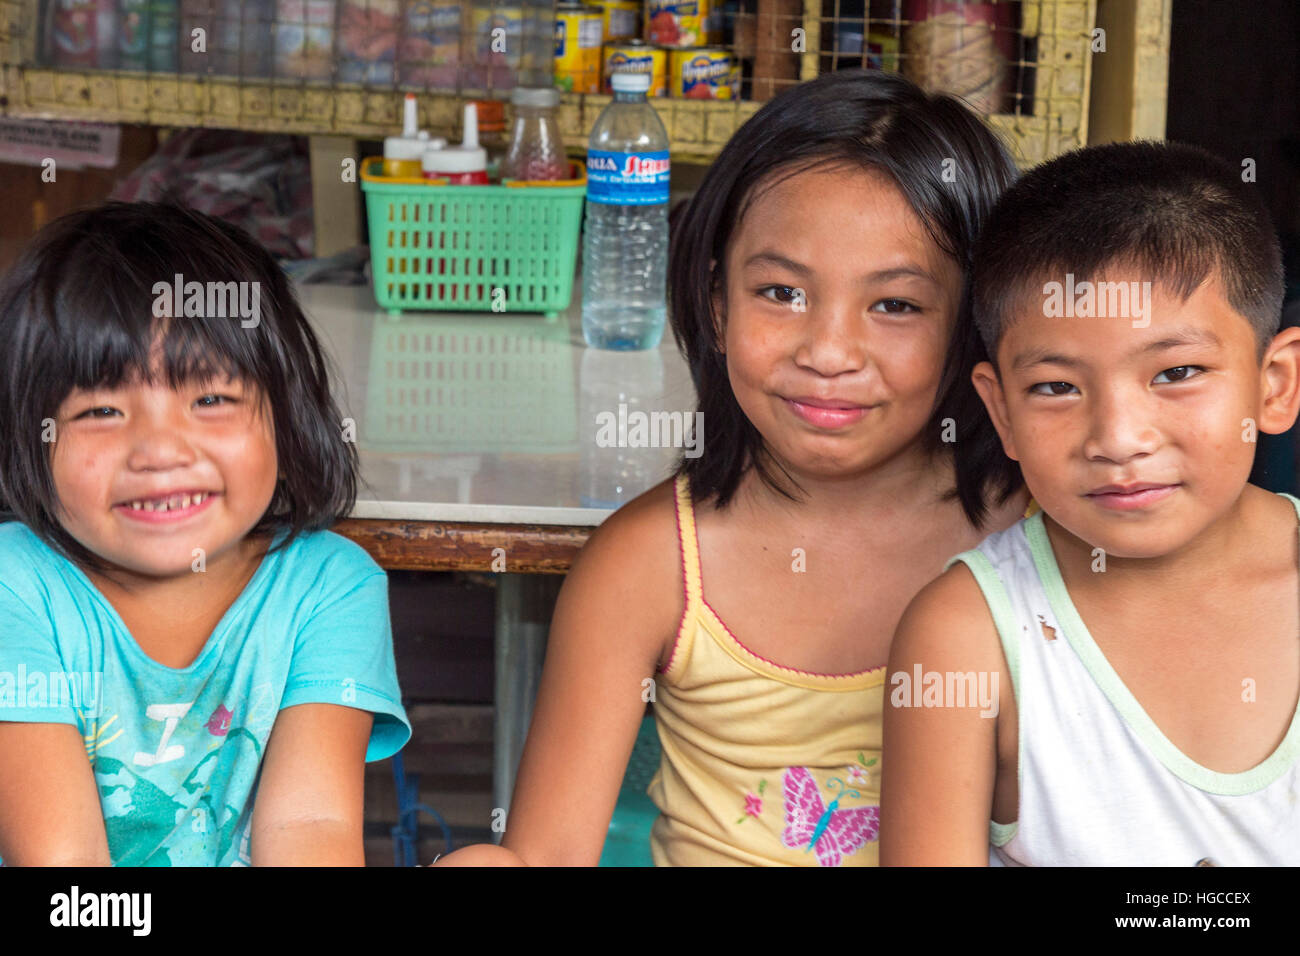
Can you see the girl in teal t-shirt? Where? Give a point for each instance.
(193, 670)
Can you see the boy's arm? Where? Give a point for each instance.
(309, 803)
(49, 809)
(619, 605)
(937, 791)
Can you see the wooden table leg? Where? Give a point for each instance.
(524, 604)
(335, 207)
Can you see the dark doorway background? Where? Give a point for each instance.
(1234, 89)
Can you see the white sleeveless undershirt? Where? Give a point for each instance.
(1100, 785)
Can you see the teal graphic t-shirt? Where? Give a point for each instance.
(176, 753)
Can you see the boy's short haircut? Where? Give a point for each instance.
(82, 307)
(1174, 212)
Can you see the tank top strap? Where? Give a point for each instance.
(689, 543)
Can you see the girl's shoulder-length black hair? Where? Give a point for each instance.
(950, 168)
(80, 310)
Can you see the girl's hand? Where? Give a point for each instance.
(617, 613)
(49, 807)
(309, 808)
(481, 854)
(941, 762)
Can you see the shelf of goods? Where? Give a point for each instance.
(1046, 59)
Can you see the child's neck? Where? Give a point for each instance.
(906, 483)
(172, 617)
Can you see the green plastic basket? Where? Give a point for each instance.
(500, 248)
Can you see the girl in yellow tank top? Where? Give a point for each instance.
(801, 785)
(816, 288)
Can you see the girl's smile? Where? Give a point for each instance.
(166, 508)
(827, 414)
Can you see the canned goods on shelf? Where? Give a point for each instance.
(494, 47)
(621, 19)
(637, 56)
(678, 24)
(703, 73)
(578, 30)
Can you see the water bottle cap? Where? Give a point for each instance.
(544, 96)
(630, 82)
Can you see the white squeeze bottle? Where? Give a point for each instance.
(625, 239)
(463, 165)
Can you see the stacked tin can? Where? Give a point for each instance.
(689, 30)
(578, 35)
(672, 41)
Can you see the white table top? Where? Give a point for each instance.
(494, 418)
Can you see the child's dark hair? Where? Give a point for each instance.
(1173, 211)
(77, 311)
(948, 166)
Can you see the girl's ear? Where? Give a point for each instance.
(1279, 383)
(985, 379)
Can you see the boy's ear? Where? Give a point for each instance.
(985, 379)
(1279, 383)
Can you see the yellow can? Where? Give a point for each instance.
(622, 18)
(678, 24)
(578, 30)
(705, 73)
(637, 56)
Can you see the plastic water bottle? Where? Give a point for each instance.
(625, 241)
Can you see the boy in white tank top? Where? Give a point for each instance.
(1144, 626)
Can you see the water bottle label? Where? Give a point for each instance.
(627, 179)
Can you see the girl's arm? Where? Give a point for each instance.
(940, 762)
(309, 803)
(617, 612)
(49, 808)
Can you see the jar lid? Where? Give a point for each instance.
(535, 96)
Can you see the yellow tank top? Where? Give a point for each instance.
(762, 764)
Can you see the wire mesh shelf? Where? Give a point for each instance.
(342, 66)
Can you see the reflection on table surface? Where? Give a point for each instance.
(497, 418)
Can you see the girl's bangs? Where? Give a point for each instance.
(113, 328)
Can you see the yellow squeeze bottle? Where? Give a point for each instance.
(402, 153)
